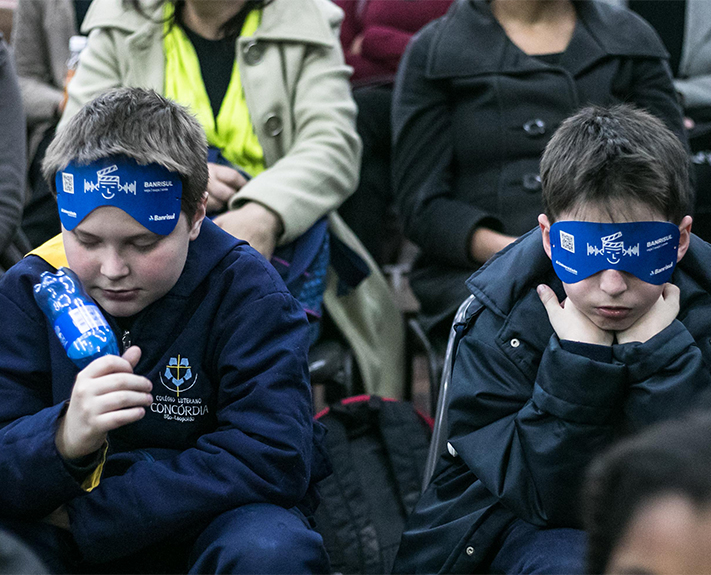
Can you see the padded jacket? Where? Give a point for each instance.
(472, 114)
(527, 413)
(238, 431)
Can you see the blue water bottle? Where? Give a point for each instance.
(78, 322)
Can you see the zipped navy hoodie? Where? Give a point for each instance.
(232, 426)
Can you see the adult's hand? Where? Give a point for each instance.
(223, 183)
(486, 242)
(256, 224)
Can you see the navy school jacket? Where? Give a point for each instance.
(240, 432)
(527, 413)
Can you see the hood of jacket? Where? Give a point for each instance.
(465, 45)
(282, 20)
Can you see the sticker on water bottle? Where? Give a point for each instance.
(75, 322)
(87, 317)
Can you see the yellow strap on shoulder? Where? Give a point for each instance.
(232, 131)
(52, 251)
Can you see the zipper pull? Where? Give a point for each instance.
(126, 341)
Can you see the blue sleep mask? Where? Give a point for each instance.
(150, 194)
(647, 250)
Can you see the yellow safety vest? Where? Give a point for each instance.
(232, 131)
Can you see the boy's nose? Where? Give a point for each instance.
(113, 266)
(613, 282)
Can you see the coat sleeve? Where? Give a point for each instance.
(34, 480)
(12, 151)
(650, 86)
(259, 452)
(667, 376)
(320, 170)
(98, 72)
(695, 90)
(40, 95)
(529, 442)
(422, 157)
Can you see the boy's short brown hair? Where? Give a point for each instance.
(611, 157)
(142, 125)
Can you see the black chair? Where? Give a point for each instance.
(439, 433)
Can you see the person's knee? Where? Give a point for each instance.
(259, 538)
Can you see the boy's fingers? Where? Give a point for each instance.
(548, 297)
(119, 382)
(115, 419)
(132, 355)
(124, 399)
(106, 365)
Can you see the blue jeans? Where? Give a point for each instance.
(257, 538)
(527, 549)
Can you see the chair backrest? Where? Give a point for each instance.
(439, 433)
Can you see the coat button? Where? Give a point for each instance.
(273, 125)
(535, 127)
(515, 343)
(253, 52)
(531, 182)
(470, 551)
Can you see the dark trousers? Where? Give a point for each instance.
(368, 212)
(527, 549)
(257, 538)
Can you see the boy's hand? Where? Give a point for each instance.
(569, 322)
(659, 317)
(221, 186)
(106, 395)
(254, 223)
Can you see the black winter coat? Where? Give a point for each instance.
(526, 414)
(472, 114)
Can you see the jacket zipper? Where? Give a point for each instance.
(126, 341)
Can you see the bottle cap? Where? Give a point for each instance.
(77, 44)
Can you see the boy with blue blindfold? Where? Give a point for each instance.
(591, 326)
(195, 449)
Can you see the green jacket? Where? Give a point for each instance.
(297, 90)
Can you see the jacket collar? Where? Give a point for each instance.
(282, 20)
(204, 253)
(469, 41)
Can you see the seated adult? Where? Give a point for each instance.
(13, 244)
(40, 41)
(477, 97)
(268, 83)
(685, 28)
(374, 35)
(647, 502)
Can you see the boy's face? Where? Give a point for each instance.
(667, 535)
(614, 300)
(124, 266)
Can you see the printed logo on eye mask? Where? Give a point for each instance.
(647, 250)
(150, 194)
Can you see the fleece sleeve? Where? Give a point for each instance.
(34, 479)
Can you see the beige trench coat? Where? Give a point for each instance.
(311, 149)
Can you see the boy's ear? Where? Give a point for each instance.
(684, 237)
(545, 226)
(199, 216)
